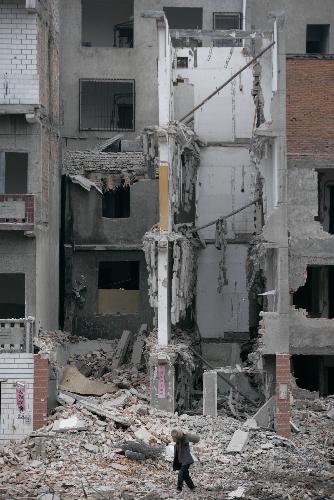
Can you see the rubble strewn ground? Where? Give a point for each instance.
(119, 451)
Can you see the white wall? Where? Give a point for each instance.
(18, 54)
(229, 114)
(227, 312)
(226, 181)
(15, 368)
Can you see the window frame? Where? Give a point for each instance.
(110, 80)
(214, 14)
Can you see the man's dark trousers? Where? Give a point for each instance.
(184, 476)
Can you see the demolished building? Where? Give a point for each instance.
(195, 196)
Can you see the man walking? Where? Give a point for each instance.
(182, 457)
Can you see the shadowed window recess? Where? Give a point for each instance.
(13, 173)
(116, 203)
(107, 23)
(12, 295)
(326, 200)
(317, 295)
(118, 287)
(107, 104)
(317, 38)
(185, 18)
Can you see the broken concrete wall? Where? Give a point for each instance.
(183, 253)
(209, 69)
(89, 227)
(227, 180)
(82, 315)
(310, 163)
(310, 335)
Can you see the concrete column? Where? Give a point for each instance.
(164, 312)
(210, 393)
(283, 394)
(162, 375)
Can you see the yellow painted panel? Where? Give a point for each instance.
(163, 196)
(117, 301)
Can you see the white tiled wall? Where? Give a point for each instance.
(19, 82)
(15, 368)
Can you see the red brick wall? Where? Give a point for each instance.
(310, 107)
(41, 378)
(283, 406)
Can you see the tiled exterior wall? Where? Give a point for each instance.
(19, 82)
(40, 391)
(16, 368)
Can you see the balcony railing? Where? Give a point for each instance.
(16, 335)
(17, 211)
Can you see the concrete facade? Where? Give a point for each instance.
(29, 197)
(136, 185)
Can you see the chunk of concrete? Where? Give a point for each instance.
(65, 399)
(101, 412)
(69, 424)
(238, 493)
(117, 402)
(143, 435)
(90, 447)
(238, 442)
(264, 417)
(210, 393)
(250, 424)
(74, 381)
(122, 347)
(330, 413)
(138, 347)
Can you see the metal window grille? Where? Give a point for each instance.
(107, 105)
(227, 21)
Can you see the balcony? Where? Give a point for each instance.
(17, 212)
(16, 335)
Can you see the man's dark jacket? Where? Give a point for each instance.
(182, 455)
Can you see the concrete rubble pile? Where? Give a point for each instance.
(116, 446)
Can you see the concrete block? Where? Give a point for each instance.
(264, 417)
(330, 413)
(69, 424)
(143, 435)
(137, 351)
(122, 348)
(65, 399)
(238, 442)
(210, 393)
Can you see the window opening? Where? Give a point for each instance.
(306, 371)
(118, 287)
(317, 295)
(326, 200)
(107, 23)
(317, 38)
(13, 173)
(227, 21)
(182, 62)
(116, 203)
(185, 18)
(12, 295)
(107, 105)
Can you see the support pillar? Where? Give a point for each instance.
(283, 395)
(163, 380)
(163, 293)
(210, 393)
